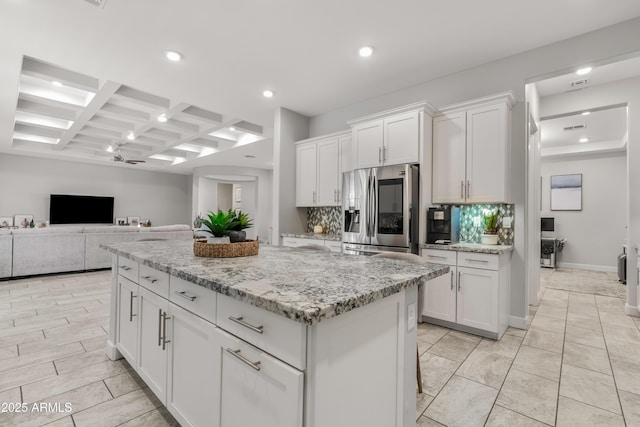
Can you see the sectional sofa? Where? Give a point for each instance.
(29, 251)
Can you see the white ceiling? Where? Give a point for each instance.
(304, 51)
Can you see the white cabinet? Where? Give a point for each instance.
(475, 295)
(471, 151)
(346, 153)
(388, 138)
(193, 392)
(319, 170)
(256, 389)
(127, 331)
(152, 341)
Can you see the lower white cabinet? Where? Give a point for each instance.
(127, 333)
(257, 389)
(152, 341)
(473, 297)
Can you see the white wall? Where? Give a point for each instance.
(207, 196)
(596, 234)
(27, 182)
(247, 203)
(225, 197)
(507, 74)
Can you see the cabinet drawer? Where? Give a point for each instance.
(277, 335)
(475, 260)
(335, 246)
(439, 257)
(197, 299)
(154, 280)
(128, 268)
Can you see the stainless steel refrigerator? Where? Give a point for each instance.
(380, 210)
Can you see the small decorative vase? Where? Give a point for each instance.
(489, 239)
(214, 239)
(237, 236)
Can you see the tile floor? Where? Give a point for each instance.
(578, 364)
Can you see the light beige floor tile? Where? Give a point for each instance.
(63, 422)
(507, 346)
(547, 340)
(25, 321)
(537, 361)
(39, 357)
(636, 320)
(99, 342)
(627, 375)
(548, 323)
(61, 339)
(427, 422)
(428, 335)
(552, 311)
(585, 337)
(26, 375)
(576, 414)
(630, 407)
(17, 314)
(592, 388)
(81, 360)
(454, 347)
(619, 333)
(623, 351)
(124, 383)
(582, 356)
(615, 319)
(117, 411)
(422, 401)
(530, 395)
(581, 299)
(466, 336)
(556, 294)
(582, 320)
(610, 304)
(516, 332)
(21, 330)
(21, 339)
(11, 395)
(8, 353)
(157, 418)
(486, 368)
(51, 309)
(65, 382)
(502, 417)
(436, 371)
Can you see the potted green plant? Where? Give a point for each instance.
(490, 236)
(242, 221)
(219, 224)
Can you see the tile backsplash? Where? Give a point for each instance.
(330, 218)
(472, 233)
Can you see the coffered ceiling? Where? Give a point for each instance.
(110, 61)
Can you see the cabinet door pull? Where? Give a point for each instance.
(314, 197)
(125, 268)
(164, 331)
(379, 154)
(451, 280)
(338, 197)
(131, 297)
(239, 320)
(185, 295)
(468, 189)
(437, 256)
(462, 190)
(236, 353)
(484, 261)
(159, 327)
(384, 154)
(149, 279)
(459, 280)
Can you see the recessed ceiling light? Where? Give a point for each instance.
(365, 51)
(173, 55)
(131, 136)
(583, 140)
(583, 71)
(586, 113)
(110, 149)
(162, 118)
(56, 83)
(232, 129)
(268, 93)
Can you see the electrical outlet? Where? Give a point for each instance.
(477, 221)
(506, 222)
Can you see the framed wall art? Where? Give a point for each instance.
(566, 192)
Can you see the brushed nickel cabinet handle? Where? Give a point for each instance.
(452, 280)
(239, 320)
(149, 279)
(459, 280)
(239, 356)
(484, 261)
(462, 189)
(125, 268)
(131, 297)
(164, 330)
(384, 154)
(159, 327)
(437, 256)
(185, 295)
(468, 189)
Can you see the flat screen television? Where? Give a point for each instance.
(68, 209)
(546, 224)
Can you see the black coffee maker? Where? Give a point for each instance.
(443, 225)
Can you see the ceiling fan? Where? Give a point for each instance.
(117, 157)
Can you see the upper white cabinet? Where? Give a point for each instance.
(319, 168)
(471, 151)
(389, 138)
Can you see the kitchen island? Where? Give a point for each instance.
(285, 338)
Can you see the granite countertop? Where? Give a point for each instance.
(318, 236)
(471, 247)
(286, 281)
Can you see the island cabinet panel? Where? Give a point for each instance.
(128, 268)
(257, 389)
(154, 280)
(193, 392)
(438, 297)
(478, 298)
(277, 335)
(152, 352)
(196, 299)
(127, 330)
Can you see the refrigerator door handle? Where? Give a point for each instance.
(374, 205)
(368, 205)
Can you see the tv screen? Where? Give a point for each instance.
(67, 209)
(546, 224)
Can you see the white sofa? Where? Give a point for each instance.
(29, 251)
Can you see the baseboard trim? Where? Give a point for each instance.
(631, 310)
(112, 351)
(518, 322)
(604, 268)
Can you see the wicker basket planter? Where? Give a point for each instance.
(225, 250)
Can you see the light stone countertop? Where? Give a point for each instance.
(471, 247)
(294, 283)
(317, 236)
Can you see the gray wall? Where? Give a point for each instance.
(507, 74)
(596, 234)
(27, 182)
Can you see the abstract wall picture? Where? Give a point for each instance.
(566, 192)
